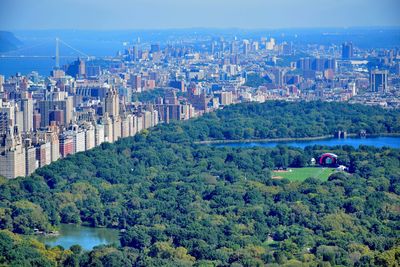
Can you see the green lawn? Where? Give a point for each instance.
(300, 174)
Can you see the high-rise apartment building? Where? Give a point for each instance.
(1, 83)
(124, 126)
(116, 128)
(19, 119)
(90, 141)
(43, 154)
(37, 118)
(52, 137)
(111, 103)
(139, 123)
(132, 125)
(46, 107)
(77, 68)
(26, 106)
(12, 155)
(99, 134)
(30, 158)
(108, 128)
(136, 82)
(347, 50)
(379, 80)
(66, 145)
(7, 116)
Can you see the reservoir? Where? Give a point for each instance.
(379, 141)
(86, 237)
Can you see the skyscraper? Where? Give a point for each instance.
(286, 48)
(12, 154)
(136, 82)
(27, 109)
(30, 157)
(47, 106)
(246, 47)
(270, 45)
(7, 117)
(398, 68)
(379, 80)
(77, 68)
(1, 83)
(99, 134)
(347, 50)
(66, 145)
(155, 48)
(111, 103)
(234, 47)
(134, 53)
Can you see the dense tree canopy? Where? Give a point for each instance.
(183, 204)
(148, 96)
(280, 119)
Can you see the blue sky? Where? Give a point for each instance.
(157, 14)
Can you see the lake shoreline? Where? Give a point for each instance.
(76, 234)
(266, 140)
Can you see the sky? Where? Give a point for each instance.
(164, 14)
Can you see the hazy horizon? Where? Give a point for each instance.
(208, 14)
(372, 27)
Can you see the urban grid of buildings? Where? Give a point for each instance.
(88, 102)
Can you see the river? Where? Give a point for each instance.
(86, 237)
(379, 141)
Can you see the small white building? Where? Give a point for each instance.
(341, 168)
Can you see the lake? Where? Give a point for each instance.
(379, 141)
(86, 237)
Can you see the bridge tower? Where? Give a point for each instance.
(57, 53)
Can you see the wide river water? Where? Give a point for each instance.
(380, 141)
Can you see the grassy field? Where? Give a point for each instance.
(300, 174)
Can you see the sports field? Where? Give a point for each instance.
(300, 174)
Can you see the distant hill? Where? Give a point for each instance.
(8, 41)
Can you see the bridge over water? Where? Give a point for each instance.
(25, 52)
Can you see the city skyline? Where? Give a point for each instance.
(157, 14)
(199, 133)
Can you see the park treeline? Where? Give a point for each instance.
(282, 119)
(179, 203)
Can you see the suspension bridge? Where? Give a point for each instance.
(19, 53)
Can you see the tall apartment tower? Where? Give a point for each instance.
(116, 122)
(108, 128)
(234, 47)
(379, 80)
(347, 50)
(7, 117)
(111, 103)
(99, 134)
(136, 82)
(52, 136)
(125, 126)
(26, 106)
(47, 106)
(66, 145)
(12, 155)
(1, 83)
(30, 157)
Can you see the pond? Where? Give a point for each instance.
(86, 237)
